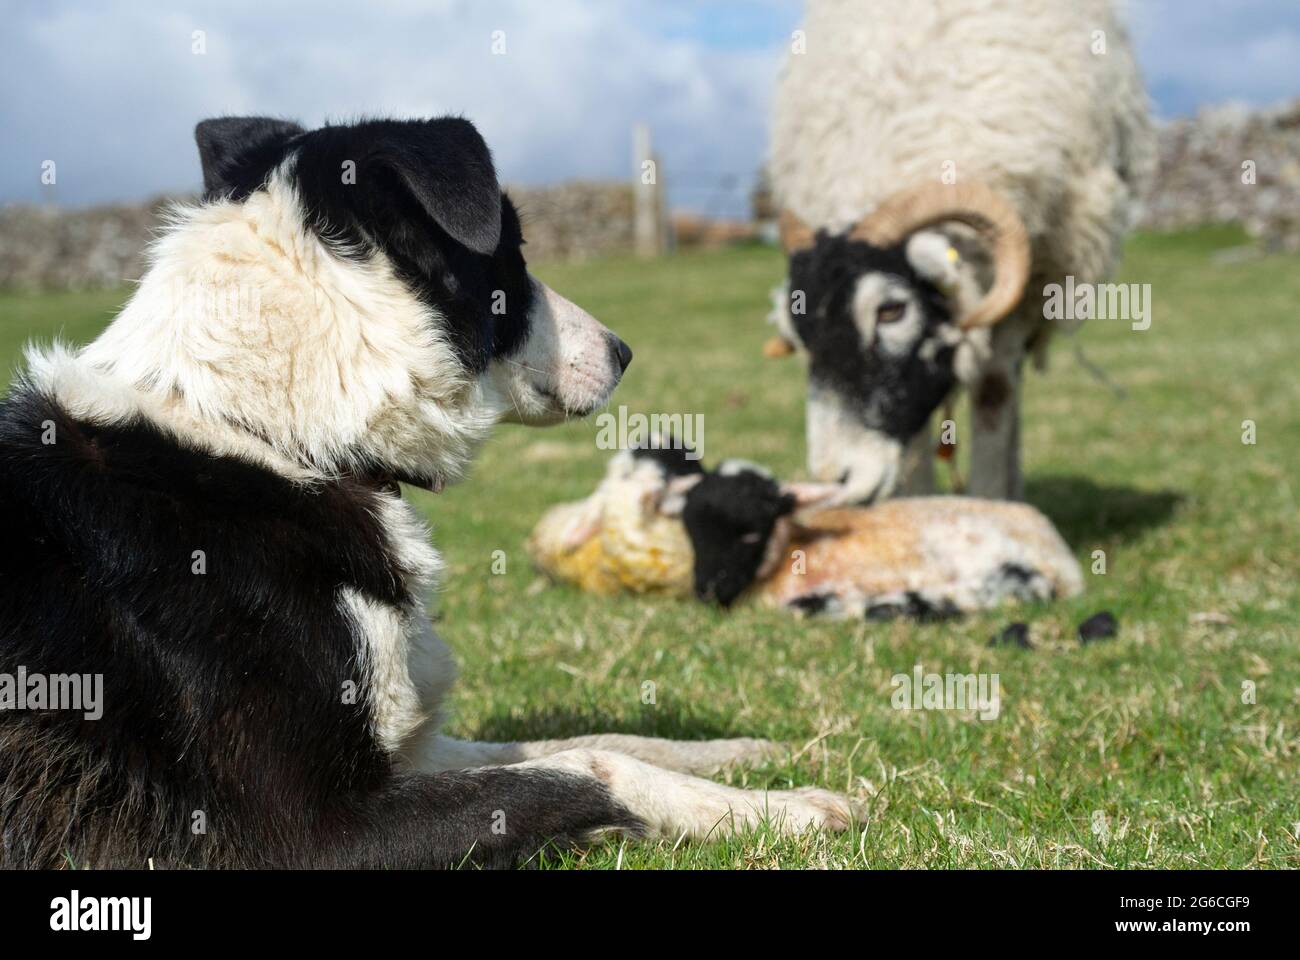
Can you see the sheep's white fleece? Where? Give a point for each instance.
(1010, 91)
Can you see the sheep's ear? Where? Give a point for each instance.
(673, 502)
(957, 265)
(932, 256)
(785, 341)
(804, 495)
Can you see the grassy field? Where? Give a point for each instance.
(1133, 752)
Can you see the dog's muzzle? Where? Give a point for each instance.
(568, 366)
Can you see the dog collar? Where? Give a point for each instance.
(388, 482)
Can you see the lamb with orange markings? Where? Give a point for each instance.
(660, 523)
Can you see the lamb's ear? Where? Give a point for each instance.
(673, 502)
(447, 167)
(804, 495)
(581, 527)
(234, 150)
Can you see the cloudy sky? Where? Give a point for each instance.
(111, 90)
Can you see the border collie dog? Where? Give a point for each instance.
(201, 511)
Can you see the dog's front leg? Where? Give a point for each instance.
(672, 804)
(492, 817)
(700, 757)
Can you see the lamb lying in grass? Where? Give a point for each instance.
(659, 523)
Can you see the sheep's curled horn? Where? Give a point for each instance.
(975, 204)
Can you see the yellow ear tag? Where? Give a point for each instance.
(949, 285)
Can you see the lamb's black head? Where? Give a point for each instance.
(736, 518)
(730, 518)
(888, 312)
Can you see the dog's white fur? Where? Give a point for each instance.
(248, 322)
(248, 337)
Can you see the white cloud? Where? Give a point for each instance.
(111, 91)
(1195, 52)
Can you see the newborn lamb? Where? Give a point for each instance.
(659, 523)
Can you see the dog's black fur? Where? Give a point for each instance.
(236, 727)
(422, 192)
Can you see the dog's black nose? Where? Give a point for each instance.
(620, 351)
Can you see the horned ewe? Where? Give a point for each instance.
(659, 523)
(934, 160)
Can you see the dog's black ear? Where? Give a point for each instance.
(236, 151)
(447, 167)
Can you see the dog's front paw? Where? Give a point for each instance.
(811, 808)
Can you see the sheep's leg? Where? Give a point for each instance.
(995, 437)
(672, 804)
(995, 418)
(688, 756)
(918, 466)
(1015, 478)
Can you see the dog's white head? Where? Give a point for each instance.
(356, 298)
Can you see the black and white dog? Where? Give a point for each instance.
(201, 508)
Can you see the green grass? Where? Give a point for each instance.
(1146, 734)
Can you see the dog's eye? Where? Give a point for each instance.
(890, 312)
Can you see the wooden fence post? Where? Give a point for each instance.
(650, 231)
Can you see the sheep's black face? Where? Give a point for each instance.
(730, 519)
(879, 361)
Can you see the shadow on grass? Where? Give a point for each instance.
(1086, 512)
(652, 721)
